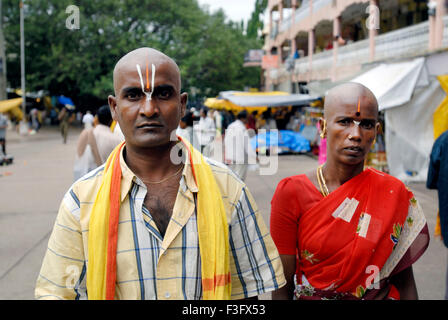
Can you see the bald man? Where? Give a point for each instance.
(357, 231)
(179, 226)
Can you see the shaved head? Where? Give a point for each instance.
(148, 103)
(350, 93)
(142, 56)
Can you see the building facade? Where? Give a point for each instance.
(332, 40)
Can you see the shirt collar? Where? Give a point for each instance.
(127, 176)
(187, 173)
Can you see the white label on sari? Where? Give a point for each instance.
(346, 209)
(363, 225)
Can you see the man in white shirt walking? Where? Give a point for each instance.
(205, 132)
(87, 120)
(238, 152)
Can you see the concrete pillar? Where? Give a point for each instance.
(337, 26)
(373, 32)
(280, 11)
(293, 37)
(432, 33)
(440, 12)
(311, 40)
(3, 94)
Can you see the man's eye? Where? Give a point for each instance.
(133, 95)
(164, 93)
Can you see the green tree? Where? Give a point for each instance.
(255, 24)
(79, 63)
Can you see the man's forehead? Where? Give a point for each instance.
(128, 74)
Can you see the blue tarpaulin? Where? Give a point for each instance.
(66, 101)
(284, 139)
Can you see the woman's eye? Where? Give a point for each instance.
(345, 122)
(367, 125)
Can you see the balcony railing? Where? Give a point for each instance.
(445, 32)
(409, 41)
(401, 43)
(319, 4)
(300, 14)
(352, 53)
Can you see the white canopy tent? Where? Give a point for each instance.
(409, 93)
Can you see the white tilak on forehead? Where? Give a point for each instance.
(357, 122)
(153, 73)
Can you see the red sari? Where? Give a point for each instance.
(353, 239)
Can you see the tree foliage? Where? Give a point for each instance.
(255, 24)
(79, 63)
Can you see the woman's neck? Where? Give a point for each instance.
(336, 174)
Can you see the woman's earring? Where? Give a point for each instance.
(323, 133)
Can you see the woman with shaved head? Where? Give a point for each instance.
(344, 231)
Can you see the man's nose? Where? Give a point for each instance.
(148, 107)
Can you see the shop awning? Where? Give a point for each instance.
(266, 99)
(393, 83)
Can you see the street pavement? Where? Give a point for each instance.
(31, 190)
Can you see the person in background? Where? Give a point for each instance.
(252, 122)
(185, 128)
(3, 127)
(65, 117)
(95, 144)
(238, 152)
(205, 131)
(87, 120)
(438, 179)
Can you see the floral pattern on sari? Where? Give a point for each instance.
(308, 256)
(395, 236)
(360, 292)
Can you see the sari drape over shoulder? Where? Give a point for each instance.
(354, 239)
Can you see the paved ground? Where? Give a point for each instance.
(32, 188)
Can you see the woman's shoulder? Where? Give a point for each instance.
(300, 182)
(384, 179)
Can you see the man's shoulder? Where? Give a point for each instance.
(229, 183)
(86, 187)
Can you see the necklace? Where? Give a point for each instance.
(165, 179)
(321, 180)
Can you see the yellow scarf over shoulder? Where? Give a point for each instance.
(212, 230)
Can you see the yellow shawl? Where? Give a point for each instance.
(212, 230)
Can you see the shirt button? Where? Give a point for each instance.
(167, 295)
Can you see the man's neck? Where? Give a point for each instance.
(151, 164)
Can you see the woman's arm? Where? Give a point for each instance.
(405, 283)
(289, 268)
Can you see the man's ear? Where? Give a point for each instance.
(183, 103)
(113, 106)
